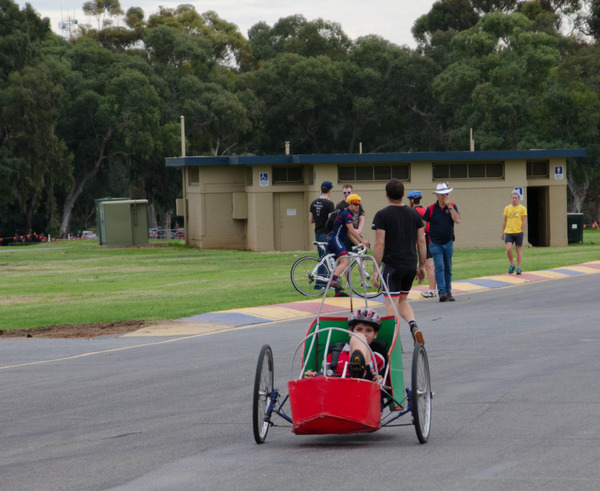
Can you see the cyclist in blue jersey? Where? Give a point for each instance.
(343, 229)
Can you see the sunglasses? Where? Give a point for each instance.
(347, 192)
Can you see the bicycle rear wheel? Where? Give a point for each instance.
(304, 277)
(361, 276)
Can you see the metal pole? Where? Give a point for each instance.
(182, 118)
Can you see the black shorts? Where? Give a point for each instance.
(516, 238)
(399, 282)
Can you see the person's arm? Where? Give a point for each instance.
(523, 223)
(422, 251)
(503, 227)
(353, 234)
(311, 218)
(361, 224)
(454, 214)
(378, 252)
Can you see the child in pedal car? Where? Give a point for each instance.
(353, 359)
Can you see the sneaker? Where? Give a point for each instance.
(519, 271)
(357, 364)
(451, 298)
(337, 285)
(341, 294)
(417, 334)
(443, 297)
(429, 294)
(511, 270)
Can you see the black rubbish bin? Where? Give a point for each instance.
(575, 227)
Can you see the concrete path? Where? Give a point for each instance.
(237, 318)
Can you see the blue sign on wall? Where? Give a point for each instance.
(558, 172)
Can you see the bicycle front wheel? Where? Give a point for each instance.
(361, 276)
(304, 277)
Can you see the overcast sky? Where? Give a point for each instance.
(390, 19)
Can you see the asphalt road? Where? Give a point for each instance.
(515, 372)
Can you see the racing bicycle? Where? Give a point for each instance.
(310, 275)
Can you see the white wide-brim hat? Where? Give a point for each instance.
(442, 188)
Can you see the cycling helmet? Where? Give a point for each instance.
(366, 315)
(353, 198)
(414, 194)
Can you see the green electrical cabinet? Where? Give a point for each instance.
(122, 222)
(575, 227)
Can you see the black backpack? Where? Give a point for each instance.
(331, 219)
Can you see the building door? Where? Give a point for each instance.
(538, 215)
(289, 221)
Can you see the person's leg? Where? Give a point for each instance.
(509, 252)
(518, 246)
(448, 252)
(342, 264)
(358, 342)
(389, 306)
(430, 274)
(322, 271)
(404, 308)
(438, 262)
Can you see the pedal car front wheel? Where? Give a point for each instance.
(421, 393)
(263, 387)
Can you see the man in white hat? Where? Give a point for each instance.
(442, 215)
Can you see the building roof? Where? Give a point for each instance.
(304, 159)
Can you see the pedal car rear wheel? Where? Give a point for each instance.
(263, 386)
(302, 277)
(421, 393)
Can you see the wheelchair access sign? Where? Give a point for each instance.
(263, 179)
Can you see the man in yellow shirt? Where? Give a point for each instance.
(515, 219)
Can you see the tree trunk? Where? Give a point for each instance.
(77, 187)
(579, 190)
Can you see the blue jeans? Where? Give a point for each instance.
(442, 260)
(322, 271)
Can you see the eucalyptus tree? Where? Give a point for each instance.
(105, 11)
(572, 114)
(113, 112)
(295, 34)
(197, 57)
(32, 155)
(395, 86)
(303, 101)
(33, 158)
(495, 84)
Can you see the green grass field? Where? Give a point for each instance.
(79, 282)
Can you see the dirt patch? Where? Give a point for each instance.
(75, 330)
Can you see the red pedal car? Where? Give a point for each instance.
(331, 404)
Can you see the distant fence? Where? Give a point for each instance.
(166, 233)
(18, 239)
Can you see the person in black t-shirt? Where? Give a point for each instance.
(318, 214)
(442, 215)
(399, 243)
(320, 210)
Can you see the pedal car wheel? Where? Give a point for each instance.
(421, 393)
(302, 277)
(263, 386)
